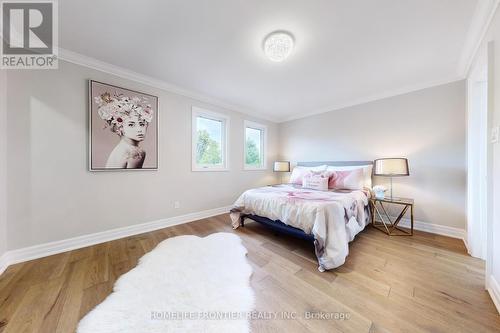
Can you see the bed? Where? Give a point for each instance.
(329, 219)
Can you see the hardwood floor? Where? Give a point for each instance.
(424, 283)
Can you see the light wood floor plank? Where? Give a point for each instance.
(424, 283)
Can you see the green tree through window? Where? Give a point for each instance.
(254, 146)
(208, 151)
(253, 154)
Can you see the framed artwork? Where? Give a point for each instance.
(123, 129)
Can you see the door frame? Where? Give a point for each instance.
(477, 156)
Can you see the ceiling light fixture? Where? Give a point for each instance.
(278, 45)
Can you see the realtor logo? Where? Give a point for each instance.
(29, 34)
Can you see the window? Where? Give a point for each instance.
(209, 140)
(255, 146)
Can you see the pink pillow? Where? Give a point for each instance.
(299, 172)
(347, 180)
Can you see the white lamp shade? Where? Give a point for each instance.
(281, 166)
(391, 167)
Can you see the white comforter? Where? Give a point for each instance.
(333, 217)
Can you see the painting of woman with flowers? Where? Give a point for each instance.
(123, 129)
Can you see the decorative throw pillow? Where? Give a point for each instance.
(299, 172)
(347, 180)
(316, 181)
(367, 172)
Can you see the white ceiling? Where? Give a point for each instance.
(346, 51)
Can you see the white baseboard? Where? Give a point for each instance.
(4, 263)
(434, 228)
(467, 246)
(494, 290)
(47, 249)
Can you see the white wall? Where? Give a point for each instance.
(3, 162)
(427, 126)
(491, 43)
(52, 196)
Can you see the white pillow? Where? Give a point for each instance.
(367, 172)
(315, 181)
(299, 172)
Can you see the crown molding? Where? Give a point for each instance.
(481, 20)
(89, 62)
(373, 98)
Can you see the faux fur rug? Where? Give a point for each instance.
(186, 284)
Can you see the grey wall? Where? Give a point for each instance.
(52, 196)
(427, 126)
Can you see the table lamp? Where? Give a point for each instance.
(391, 167)
(281, 166)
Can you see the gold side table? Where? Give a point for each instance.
(387, 225)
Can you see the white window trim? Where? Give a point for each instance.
(199, 112)
(263, 128)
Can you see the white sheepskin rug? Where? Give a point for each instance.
(186, 284)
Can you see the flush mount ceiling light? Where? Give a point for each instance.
(278, 45)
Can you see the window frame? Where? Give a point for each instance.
(263, 128)
(224, 119)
